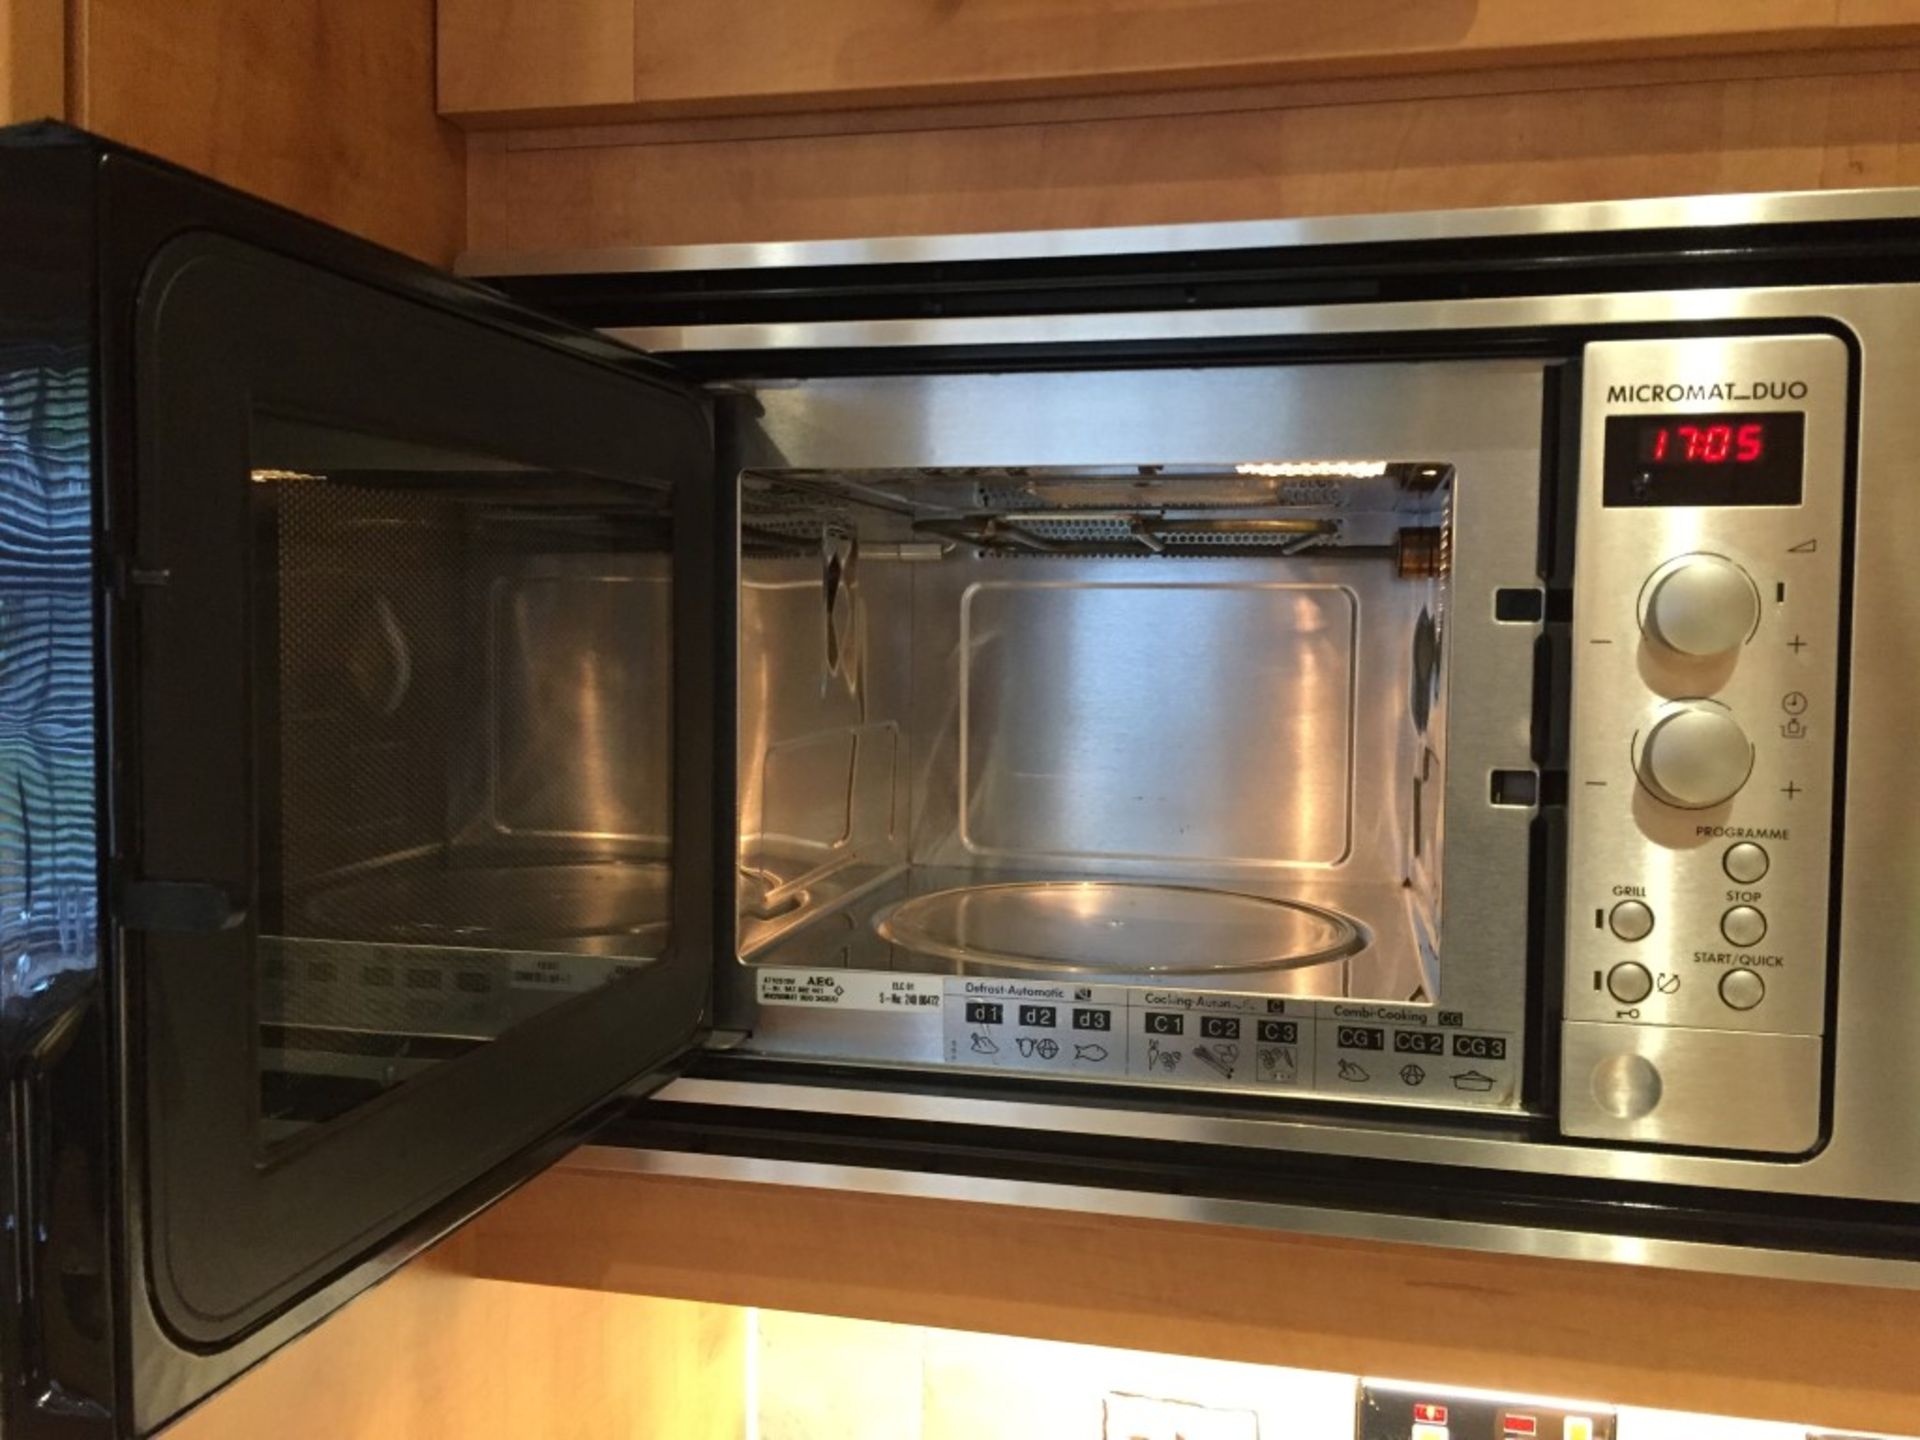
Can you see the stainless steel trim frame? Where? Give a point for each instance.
(1672, 212)
(1297, 1219)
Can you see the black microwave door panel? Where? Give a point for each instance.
(413, 791)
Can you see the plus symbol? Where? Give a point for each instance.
(1789, 789)
(1796, 644)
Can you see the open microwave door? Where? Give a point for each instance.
(411, 672)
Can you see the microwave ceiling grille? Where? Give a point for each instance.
(1123, 533)
(1190, 493)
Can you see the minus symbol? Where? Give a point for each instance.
(1599, 642)
(1600, 784)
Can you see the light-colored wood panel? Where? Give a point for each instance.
(435, 1355)
(1299, 94)
(1717, 1344)
(33, 60)
(325, 106)
(742, 56)
(1766, 133)
(533, 55)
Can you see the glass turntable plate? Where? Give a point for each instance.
(1118, 927)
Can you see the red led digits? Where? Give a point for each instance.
(1709, 444)
(1704, 458)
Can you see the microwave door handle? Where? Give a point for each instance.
(182, 906)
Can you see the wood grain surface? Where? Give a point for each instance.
(1722, 1345)
(1856, 126)
(432, 1354)
(33, 60)
(501, 64)
(326, 106)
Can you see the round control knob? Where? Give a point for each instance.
(1701, 605)
(1626, 1087)
(1695, 756)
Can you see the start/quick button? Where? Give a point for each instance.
(1742, 989)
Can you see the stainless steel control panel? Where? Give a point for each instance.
(1706, 632)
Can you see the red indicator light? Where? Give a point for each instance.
(1520, 1425)
(1428, 1413)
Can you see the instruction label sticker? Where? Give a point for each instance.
(1200, 1037)
(884, 990)
(1059, 1026)
(568, 973)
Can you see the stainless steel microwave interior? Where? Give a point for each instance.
(1144, 717)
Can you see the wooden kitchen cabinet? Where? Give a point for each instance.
(324, 106)
(518, 61)
(435, 1354)
(33, 75)
(1719, 1344)
(597, 1303)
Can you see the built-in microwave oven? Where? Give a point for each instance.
(1384, 726)
(1455, 734)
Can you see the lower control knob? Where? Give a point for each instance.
(1696, 756)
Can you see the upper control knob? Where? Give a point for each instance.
(1701, 605)
(1695, 756)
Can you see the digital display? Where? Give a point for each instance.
(1716, 459)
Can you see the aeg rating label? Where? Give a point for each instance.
(853, 990)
